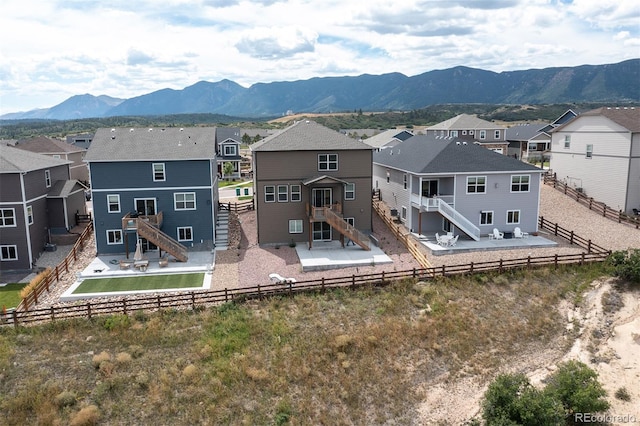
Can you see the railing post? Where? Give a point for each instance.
(14, 316)
(89, 310)
(124, 306)
(159, 303)
(555, 260)
(226, 295)
(571, 239)
(500, 266)
(589, 246)
(620, 216)
(471, 268)
(53, 313)
(259, 293)
(353, 280)
(193, 300)
(322, 285)
(414, 273)
(555, 229)
(444, 270)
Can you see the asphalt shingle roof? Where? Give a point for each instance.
(150, 144)
(629, 117)
(64, 188)
(307, 135)
(523, 132)
(465, 122)
(45, 145)
(429, 155)
(14, 160)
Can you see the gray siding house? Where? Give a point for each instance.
(304, 174)
(437, 185)
(59, 149)
(37, 198)
(157, 185)
(472, 129)
(599, 152)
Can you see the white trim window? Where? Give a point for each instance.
(296, 193)
(295, 226)
(7, 218)
(403, 213)
(351, 221)
(567, 141)
(30, 215)
(184, 201)
(405, 181)
(454, 133)
(47, 178)
(114, 237)
(513, 217)
(483, 134)
(283, 193)
(589, 153)
(185, 233)
(269, 194)
(350, 191)
(476, 184)
(327, 162)
(520, 183)
(486, 218)
(159, 174)
(496, 134)
(229, 150)
(113, 203)
(8, 252)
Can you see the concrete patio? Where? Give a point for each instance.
(485, 244)
(330, 255)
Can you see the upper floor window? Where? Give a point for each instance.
(476, 184)
(269, 194)
(185, 233)
(520, 183)
(9, 252)
(30, 215)
(589, 151)
(56, 156)
(388, 176)
(483, 134)
(567, 141)
(405, 181)
(496, 134)
(184, 200)
(350, 191)
(113, 203)
(7, 218)
(230, 150)
(327, 162)
(454, 133)
(47, 178)
(296, 193)
(283, 193)
(159, 172)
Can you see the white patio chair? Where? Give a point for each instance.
(438, 238)
(452, 242)
(279, 279)
(517, 233)
(497, 235)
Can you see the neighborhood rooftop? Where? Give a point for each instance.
(152, 143)
(627, 117)
(308, 135)
(14, 160)
(428, 154)
(43, 144)
(464, 122)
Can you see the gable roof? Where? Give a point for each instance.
(627, 117)
(151, 144)
(523, 132)
(224, 133)
(14, 160)
(426, 155)
(45, 145)
(307, 135)
(386, 137)
(64, 188)
(465, 122)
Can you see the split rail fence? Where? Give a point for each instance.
(200, 299)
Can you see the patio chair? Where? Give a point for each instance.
(517, 233)
(438, 240)
(452, 242)
(496, 235)
(279, 279)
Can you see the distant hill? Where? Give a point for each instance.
(395, 91)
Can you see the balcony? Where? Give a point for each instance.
(317, 213)
(430, 204)
(130, 221)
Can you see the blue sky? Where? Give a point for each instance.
(53, 49)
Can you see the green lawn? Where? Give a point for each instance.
(149, 282)
(239, 184)
(10, 294)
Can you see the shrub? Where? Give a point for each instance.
(623, 394)
(576, 386)
(98, 359)
(116, 322)
(34, 283)
(65, 399)
(626, 265)
(86, 417)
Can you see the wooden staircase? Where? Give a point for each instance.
(162, 240)
(342, 226)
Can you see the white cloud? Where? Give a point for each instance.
(124, 48)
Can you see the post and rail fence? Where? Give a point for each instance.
(597, 206)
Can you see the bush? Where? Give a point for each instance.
(626, 265)
(576, 386)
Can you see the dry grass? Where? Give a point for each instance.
(342, 357)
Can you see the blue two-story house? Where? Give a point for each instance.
(228, 151)
(157, 185)
(438, 184)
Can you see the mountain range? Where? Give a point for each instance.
(619, 83)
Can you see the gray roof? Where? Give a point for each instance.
(14, 160)
(45, 145)
(151, 144)
(627, 117)
(429, 155)
(523, 132)
(465, 122)
(307, 135)
(386, 137)
(224, 133)
(64, 188)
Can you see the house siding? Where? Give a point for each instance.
(292, 168)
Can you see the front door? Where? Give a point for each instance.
(429, 188)
(321, 231)
(146, 206)
(321, 197)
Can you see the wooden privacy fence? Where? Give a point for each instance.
(237, 207)
(56, 273)
(200, 299)
(597, 206)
